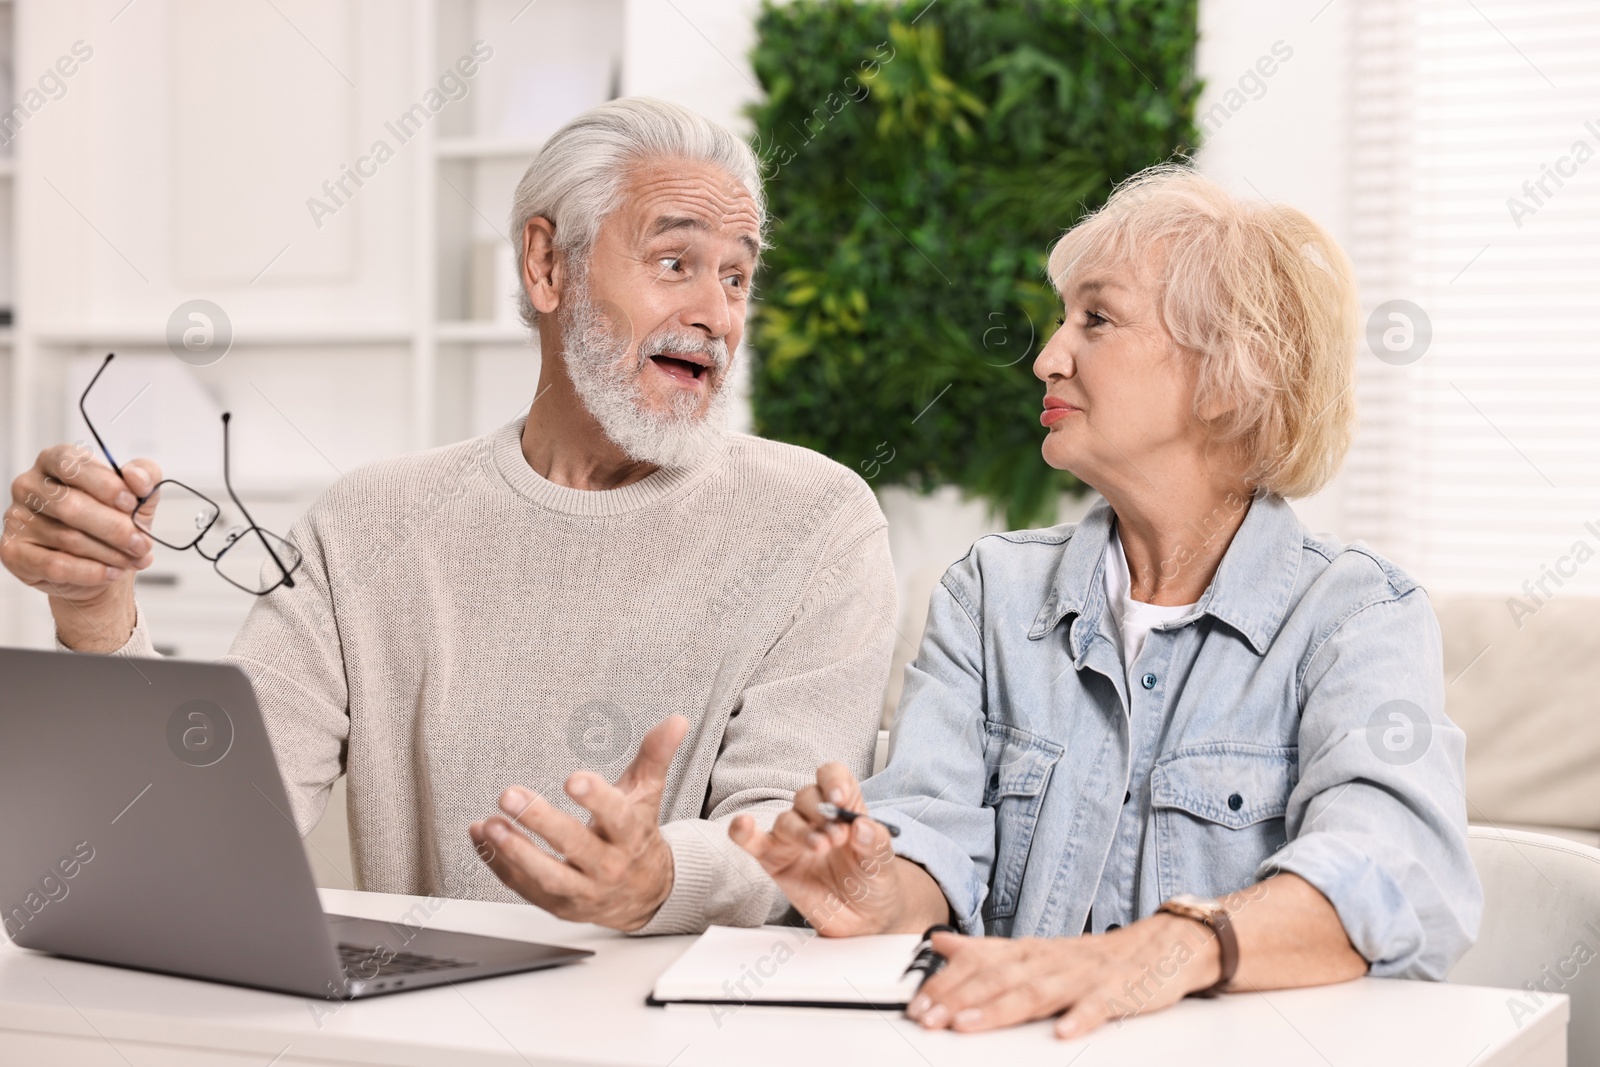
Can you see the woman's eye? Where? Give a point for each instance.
(735, 280)
(1061, 320)
(1093, 318)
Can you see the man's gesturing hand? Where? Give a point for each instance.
(618, 869)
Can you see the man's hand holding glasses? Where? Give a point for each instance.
(79, 531)
(69, 532)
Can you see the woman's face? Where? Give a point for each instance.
(1119, 393)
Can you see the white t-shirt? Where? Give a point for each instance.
(1134, 618)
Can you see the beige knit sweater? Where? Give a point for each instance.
(461, 624)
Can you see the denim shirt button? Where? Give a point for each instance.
(1149, 681)
(1235, 802)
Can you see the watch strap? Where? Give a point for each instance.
(1221, 924)
(1216, 917)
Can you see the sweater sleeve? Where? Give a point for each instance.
(815, 697)
(138, 645)
(290, 648)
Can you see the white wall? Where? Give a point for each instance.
(694, 52)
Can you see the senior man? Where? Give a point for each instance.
(599, 579)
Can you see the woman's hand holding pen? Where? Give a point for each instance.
(843, 877)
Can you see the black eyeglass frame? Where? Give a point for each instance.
(287, 573)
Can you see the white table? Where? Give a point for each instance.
(60, 1012)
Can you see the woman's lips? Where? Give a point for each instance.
(1056, 409)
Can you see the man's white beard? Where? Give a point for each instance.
(607, 382)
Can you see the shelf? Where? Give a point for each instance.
(475, 332)
(485, 148)
(276, 336)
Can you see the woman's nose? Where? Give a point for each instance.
(1055, 358)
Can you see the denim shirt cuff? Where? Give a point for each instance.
(946, 862)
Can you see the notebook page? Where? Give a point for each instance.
(776, 963)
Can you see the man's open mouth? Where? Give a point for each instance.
(687, 366)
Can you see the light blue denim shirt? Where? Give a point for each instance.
(1292, 722)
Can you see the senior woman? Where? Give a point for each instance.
(1183, 746)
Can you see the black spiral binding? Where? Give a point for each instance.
(927, 960)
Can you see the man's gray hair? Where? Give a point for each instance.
(576, 180)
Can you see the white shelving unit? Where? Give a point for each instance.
(11, 593)
(166, 173)
(8, 200)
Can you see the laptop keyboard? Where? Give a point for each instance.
(368, 961)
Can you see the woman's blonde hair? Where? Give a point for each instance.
(1260, 294)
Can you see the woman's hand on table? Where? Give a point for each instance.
(992, 982)
(844, 878)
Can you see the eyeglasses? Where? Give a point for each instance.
(256, 560)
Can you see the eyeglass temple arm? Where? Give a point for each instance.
(82, 410)
(227, 482)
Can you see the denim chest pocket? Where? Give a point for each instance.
(1018, 766)
(1219, 812)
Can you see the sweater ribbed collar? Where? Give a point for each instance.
(660, 485)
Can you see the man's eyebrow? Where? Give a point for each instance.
(667, 223)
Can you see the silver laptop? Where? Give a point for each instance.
(143, 823)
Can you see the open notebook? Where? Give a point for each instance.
(792, 967)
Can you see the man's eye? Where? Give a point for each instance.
(672, 263)
(736, 280)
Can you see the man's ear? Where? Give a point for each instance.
(543, 274)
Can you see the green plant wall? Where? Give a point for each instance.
(920, 159)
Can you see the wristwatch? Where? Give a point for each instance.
(1215, 916)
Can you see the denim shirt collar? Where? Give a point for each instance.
(1250, 591)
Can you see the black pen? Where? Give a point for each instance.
(834, 813)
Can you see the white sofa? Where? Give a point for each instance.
(1528, 697)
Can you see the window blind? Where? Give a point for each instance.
(1476, 197)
